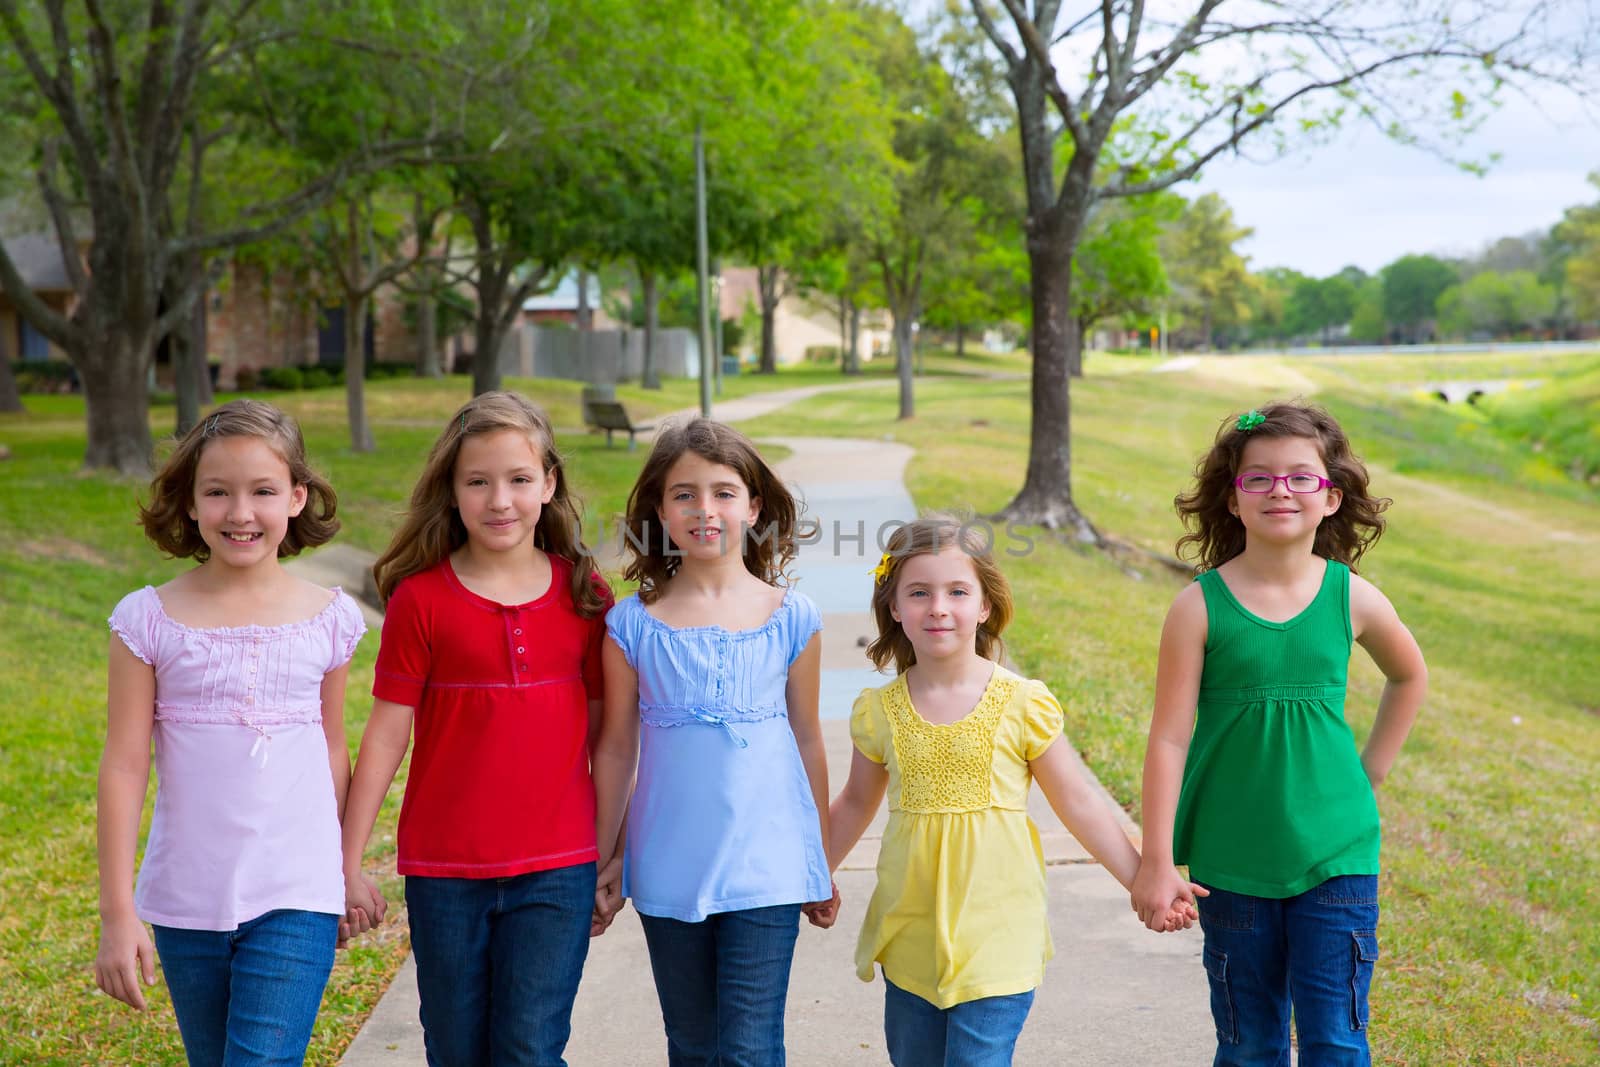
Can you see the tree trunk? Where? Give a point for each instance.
(768, 279)
(1046, 495)
(116, 391)
(961, 340)
(1077, 329)
(585, 313)
(902, 361)
(428, 332)
(855, 338)
(191, 380)
(844, 334)
(652, 319)
(10, 397)
(355, 368)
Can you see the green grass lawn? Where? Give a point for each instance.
(1492, 851)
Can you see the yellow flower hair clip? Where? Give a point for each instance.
(881, 571)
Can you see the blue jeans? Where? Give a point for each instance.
(498, 963)
(977, 1033)
(249, 995)
(723, 983)
(1313, 952)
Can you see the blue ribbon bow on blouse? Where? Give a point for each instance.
(711, 718)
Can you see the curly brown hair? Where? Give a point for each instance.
(166, 518)
(929, 535)
(769, 546)
(1216, 535)
(432, 528)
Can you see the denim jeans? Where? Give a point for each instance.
(977, 1033)
(723, 983)
(498, 963)
(249, 995)
(1313, 953)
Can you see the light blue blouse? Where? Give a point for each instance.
(722, 818)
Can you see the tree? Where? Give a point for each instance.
(1316, 305)
(118, 88)
(1411, 289)
(1497, 304)
(1210, 280)
(1118, 268)
(1300, 68)
(1579, 232)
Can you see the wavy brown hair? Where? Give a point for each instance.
(926, 536)
(166, 518)
(768, 547)
(1216, 535)
(432, 528)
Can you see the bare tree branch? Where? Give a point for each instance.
(61, 216)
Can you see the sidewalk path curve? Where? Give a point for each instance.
(1115, 993)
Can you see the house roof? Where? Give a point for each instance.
(38, 259)
(564, 297)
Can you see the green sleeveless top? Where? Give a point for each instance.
(1274, 798)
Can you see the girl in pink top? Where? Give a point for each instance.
(235, 670)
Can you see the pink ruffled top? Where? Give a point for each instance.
(245, 817)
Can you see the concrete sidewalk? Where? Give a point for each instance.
(1115, 993)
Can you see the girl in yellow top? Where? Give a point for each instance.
(957, 920)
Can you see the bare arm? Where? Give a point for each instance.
(126, 953)
(383, 746)
(1084, 811)
(1178, 669)
(805, 683)
(615, 757)
(333, 686)
(1379, 630)
(852, 810)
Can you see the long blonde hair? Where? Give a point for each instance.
(433, 529)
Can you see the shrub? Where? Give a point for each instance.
(45, 376)
(244, 379)
(282, 378)
(822, 353)
(318, 377)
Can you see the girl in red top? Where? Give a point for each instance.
(491, 644)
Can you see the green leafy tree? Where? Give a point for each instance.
(121, 94)
(1497, 304)
(1288, 74)
(1210, 280)
(1411, 289)
(1579, 232)
(1118, 269)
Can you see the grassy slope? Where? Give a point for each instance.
(1491, 849)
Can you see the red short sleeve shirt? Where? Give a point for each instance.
(499, 782)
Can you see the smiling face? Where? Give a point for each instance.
(1278, 515)
(500, 488)
(244, 498)
(706, 507)
(939, 602)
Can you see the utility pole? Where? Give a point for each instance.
(702, 258)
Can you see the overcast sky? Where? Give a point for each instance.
(1365, 200)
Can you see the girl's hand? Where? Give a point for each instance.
(364, 905)
(823, 913)
(608, 898)
(126, 954)
(1159, 893)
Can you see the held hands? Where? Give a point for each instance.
(364, 905)
(1163, 900)
(608, 898)
(823, 913)
(126, 955)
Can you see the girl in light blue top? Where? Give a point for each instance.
(711, 685)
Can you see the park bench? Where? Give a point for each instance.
(611, 416)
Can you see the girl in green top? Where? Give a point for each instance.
(1252, 776)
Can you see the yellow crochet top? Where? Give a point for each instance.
(959, 909)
